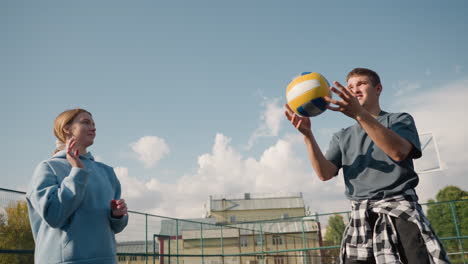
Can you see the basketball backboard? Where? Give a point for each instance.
(430, 160)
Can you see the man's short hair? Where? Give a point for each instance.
(372, 75)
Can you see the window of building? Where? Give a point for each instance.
(133, 258)
(260, 256)
(258, 240)
(279, 260)
(285, 215)
(277, 240)
(243, 241)
(232, 219)
(122, 258)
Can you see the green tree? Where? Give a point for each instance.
(335, 229)
(333, 236)
(15, 233)
(442, 219)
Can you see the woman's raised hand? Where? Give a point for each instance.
(73, 154)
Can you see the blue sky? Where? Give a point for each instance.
(201, 85)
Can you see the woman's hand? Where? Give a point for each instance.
(73, 154)
(118, 208)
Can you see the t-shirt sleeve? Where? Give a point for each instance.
(333, 153)
(403, 124)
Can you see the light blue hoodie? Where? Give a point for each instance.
(69, 210)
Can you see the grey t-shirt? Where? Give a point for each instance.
(369, 173)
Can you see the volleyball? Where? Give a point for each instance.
(305, 94)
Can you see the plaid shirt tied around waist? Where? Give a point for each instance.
(360, 242)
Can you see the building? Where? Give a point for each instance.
(244, 229)
(136, 252)
(255, 207)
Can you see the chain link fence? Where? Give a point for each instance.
(164, 240)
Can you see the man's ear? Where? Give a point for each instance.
(379, 88)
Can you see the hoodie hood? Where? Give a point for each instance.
(63, 155)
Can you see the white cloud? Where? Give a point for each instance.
(225, 171)
(143, 196)
(443, 111)
(150, 149)
(270, 121)
(405, 87)
(283, 167)
(98, 158)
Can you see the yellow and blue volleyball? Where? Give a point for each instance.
(305, 94)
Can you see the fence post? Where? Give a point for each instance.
(457, 230)
(304, 244)
(201, 243)
(154, 249)
(169, 249)
(222, 245)
(146, 237)
(319, 235)
(177, 239)
(263, 243)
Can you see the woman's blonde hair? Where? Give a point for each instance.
(65, 118)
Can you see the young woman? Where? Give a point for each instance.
(74, 202)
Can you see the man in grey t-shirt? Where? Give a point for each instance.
(369, 172)
(376, 155)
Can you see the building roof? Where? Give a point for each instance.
(280, 227)
(136, 247)
(173, 227)
(256, 204)
(229, 231)
(192, 230)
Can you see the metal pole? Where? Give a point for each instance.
(154, 249)
(177, 239)
(254, 236)
(146, 237)
(222, 245)
(457, 230)
(169, 248)
(304, 245)
(263, 244)
(201, 242)
(319, 232)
